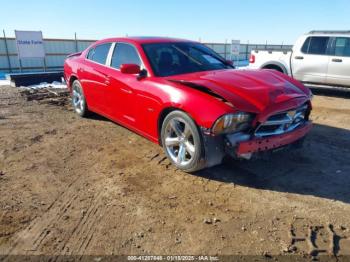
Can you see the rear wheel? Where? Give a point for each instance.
(78, 99)
(182, 141)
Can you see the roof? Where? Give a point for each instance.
(145, 39)
(329, 33)
(341, 32)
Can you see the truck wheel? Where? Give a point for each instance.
(182, 141)
(78, 99)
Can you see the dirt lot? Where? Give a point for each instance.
(88, 186)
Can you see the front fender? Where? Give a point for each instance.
(204, 108)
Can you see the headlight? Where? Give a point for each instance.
(232, 123)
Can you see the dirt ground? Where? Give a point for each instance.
(89, 186)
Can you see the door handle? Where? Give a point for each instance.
(299, 57)
(107, 80)
(126, 90)
(337, 60)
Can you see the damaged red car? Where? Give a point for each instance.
(187, 98)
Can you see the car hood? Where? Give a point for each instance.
(248, 90)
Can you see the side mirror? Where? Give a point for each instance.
(130, 69)
(143, 74)
(229, 62)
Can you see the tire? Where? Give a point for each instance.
(182, 142)
(78, 100)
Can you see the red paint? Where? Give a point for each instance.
(264, 144)
(130, 69)
(138, 103)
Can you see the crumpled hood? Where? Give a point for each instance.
(249, 90)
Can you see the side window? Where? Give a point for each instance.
(91, 53)
(342, 46)
(305, 48)
(316, 45)
(124, 54)
(99, 53)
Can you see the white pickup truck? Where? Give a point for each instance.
(319, 57)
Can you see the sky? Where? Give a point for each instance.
(256, 21)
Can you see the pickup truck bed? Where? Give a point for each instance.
(278, 59)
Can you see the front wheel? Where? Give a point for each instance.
(182, 141)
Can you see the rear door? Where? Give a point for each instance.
(339, 64)
(95, 79)
(310, 63)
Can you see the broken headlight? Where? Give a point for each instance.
(231, 123)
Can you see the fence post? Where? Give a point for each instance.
(7, 52)
(246, 51)
(76, 42)
(20, 64)
(44, 63)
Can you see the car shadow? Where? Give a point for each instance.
(343, 92)
(321, 168)
(97, 117)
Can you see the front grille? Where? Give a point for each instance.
(283, 122)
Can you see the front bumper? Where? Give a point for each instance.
(254, 145)
(244, 146)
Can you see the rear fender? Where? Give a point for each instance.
(276, 63)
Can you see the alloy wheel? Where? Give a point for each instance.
(179, 141)
(77, 98)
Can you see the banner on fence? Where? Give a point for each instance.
(235, 44)
(30, 44)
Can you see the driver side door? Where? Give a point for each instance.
(122, 97)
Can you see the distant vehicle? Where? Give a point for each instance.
(185, 97)
(319, 57)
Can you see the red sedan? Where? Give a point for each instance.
(184, 96)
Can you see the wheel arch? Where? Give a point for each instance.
(212, 150)
(275, 65)
(163, 114)
(71, 80)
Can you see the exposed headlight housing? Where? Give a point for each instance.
(231, 123)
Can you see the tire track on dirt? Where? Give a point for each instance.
(46, 231)
(83, 231)
(29, 239)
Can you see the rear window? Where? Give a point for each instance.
(99, 53)
(316, 45)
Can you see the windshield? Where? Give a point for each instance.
(169, 59)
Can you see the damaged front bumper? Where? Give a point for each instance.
(245, 146)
